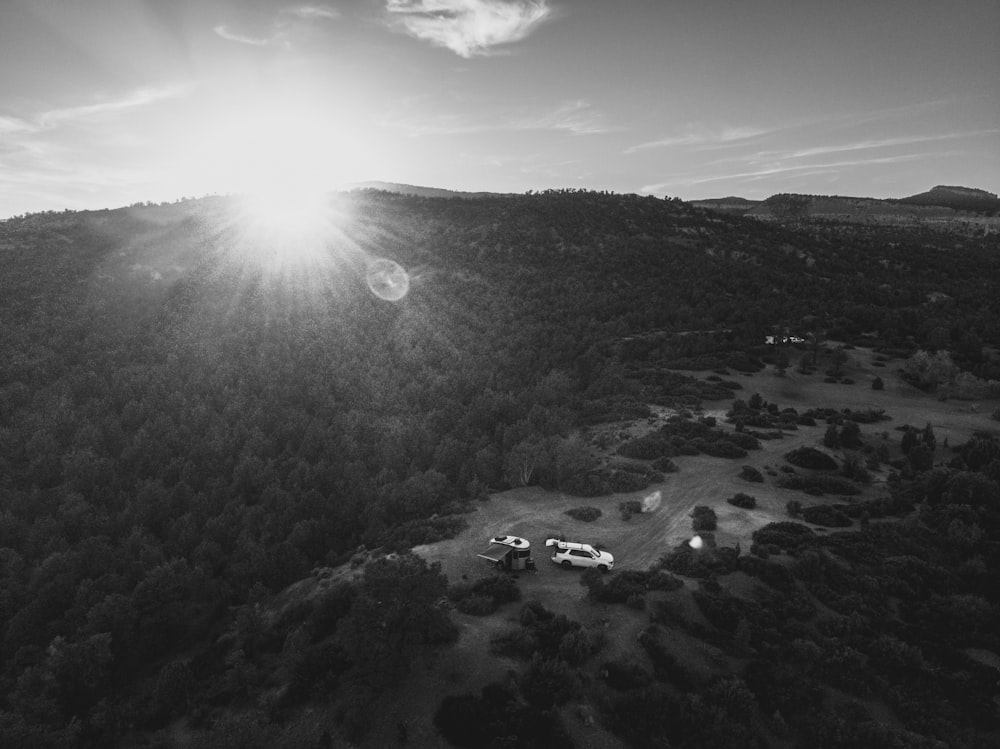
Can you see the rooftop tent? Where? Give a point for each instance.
(509, 552)
(496, 552)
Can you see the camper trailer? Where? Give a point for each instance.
(508, 553)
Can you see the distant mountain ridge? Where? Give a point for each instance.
(944, 206)
(419, 191)
(959, 198)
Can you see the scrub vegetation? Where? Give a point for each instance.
(212, 472)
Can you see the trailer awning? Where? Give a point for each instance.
(496, 552)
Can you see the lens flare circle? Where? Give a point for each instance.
(387, 279)
(651, 502)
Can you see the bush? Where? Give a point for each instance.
(476, 605)
(749, 473)
(585, 514)
(706, 562)
(723, 449)
(622, 587)
(665, 465)
(482, 597)
(472, 721)
(785, 535)
(623, 675)
(746, 501)
(645, 448)
(703, 519)
(825, 515)
(630, 507)
(811, 458)
(819, 485)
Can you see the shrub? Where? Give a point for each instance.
(820, 485)
(665, 465)
(630, 507)
(626, 481)
(471, 721)
(785, 535)
(644, 448)
(585, 514)
(482, 597)
(810, 457)
(749, 473)
(423, 531)
(825, 515)
(877, 384)
(623, 675)
(703, 518)
(746, 501)
(723, 449)
(702, 563)
(477, 605)
(665, 666)
(623, 587)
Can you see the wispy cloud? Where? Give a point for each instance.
(577, 117)
(257, 41)
(696, 135)
(14, 125)
(778, 170)
(313, 12)
(138, 98)
(469, 27)
(865, 145)
(280, 27)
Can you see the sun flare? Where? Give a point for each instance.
(283, 157)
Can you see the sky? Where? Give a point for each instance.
(106, 103)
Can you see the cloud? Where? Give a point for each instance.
(257, 41)
(280, 27)
(138, 98)
(13, 125)
(313, 12)
(577, 117)
(469, 27)
(778, 170)
(697, 135)
(872, 144)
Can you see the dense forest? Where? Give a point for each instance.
(187, 428)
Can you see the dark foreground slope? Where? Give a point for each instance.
(190, 420)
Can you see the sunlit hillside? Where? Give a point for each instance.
(203, 403)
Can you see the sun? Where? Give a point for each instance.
(282, 156)
(283, 167)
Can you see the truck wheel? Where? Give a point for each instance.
(603, 567)
(566, 563)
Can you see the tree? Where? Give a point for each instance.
(522, 462)
(781, 362)
(831, 438)
(395, 617)
(927, 437)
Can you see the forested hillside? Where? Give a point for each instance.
(185, 428)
